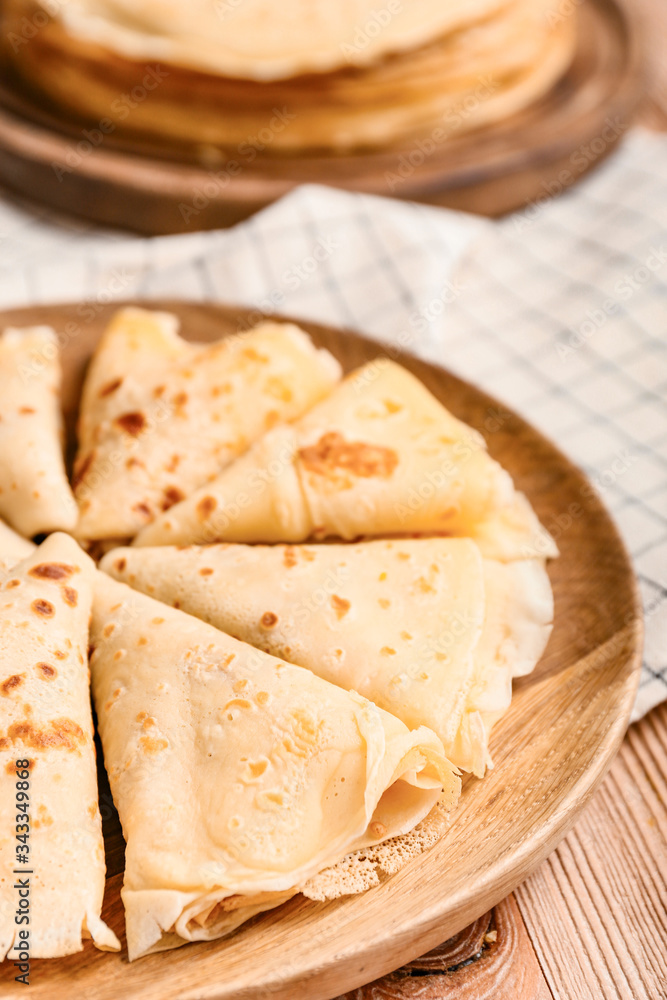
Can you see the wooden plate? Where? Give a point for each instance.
(551, 749)
(531, 155)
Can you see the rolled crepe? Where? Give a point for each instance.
(425, 628)
(35, 495)
(46, 726)
(13, 547)
(379, 456)
(160, 416)
(237, 777)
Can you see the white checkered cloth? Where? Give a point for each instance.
(559, 310)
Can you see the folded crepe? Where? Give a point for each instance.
(35, 495)
(425, 628)
(160, 416)
(238, 777)
(48, 778)
(379, 456)
(13, 547)
(518, 621)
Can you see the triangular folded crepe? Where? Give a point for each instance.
(35, 495)
(425, 628)
(379, 456)
(46, 728)
(13, 547)
(237, 777)
(160, 416)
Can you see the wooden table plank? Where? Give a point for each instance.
(596, 911)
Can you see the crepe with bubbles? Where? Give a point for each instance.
(425, 628)
(160, 416)
(379, 456)
(238, 777)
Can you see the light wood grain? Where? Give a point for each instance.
(597, 910)
(491, 170)
(551, 749)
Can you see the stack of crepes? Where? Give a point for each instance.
(275, 718)
(295, 76)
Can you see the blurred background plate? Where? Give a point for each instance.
(533, 154)
(551, 749)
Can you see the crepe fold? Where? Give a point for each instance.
(13, 547)
(238, 777)
(425, 628)
(46, 721)
(379, 456)
(35, 495)
(160, 416)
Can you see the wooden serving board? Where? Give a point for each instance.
(530, 156)
(551, 749)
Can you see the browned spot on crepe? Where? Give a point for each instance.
(52, 571)
(152, 745)
(268, 619)
(70, 596)
(278, 389)
(289, 556)
(205, 507)
(110, 387)
(120, 564)
(254, 355)
(333, 453)
(26, 410)
(82, 468)
(64, 734)
(44, 608)
(170, 496)
(340, 606)
(47, 671)
(132, 423)
(11, 683)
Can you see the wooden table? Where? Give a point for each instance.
(591, 923)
